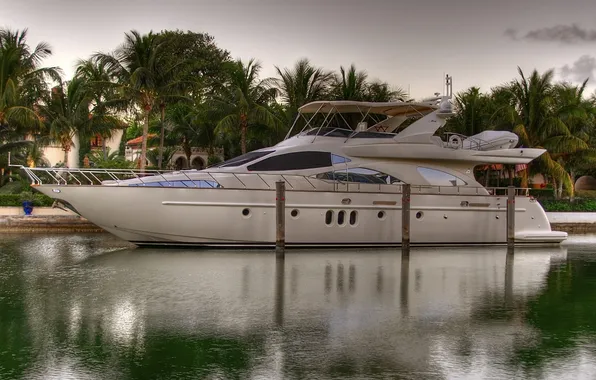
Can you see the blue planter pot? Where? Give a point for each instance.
(28, 207)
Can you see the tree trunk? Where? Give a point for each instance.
(104, 148)
(187, 152)
(162, 108)
(66, 149)
(555, 187)
(486, 176)
(560, 189)
(143, 158)
(243, 130)
(511, 171)
(572, 195)
(524, 179)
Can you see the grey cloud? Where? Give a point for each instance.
(567, 34)
(584, 67)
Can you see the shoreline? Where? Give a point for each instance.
(48, 219)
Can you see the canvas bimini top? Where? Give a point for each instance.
(390, 109)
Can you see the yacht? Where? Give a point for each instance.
(344, 164)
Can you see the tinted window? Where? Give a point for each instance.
(335, 159)
(440, 178)
(360, 175)
(373, 135)
(293, 161)
(241, 160)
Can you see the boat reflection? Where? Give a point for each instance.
(436, 313)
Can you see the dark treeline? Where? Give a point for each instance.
(187, 91)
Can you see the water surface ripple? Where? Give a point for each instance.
(92, 307)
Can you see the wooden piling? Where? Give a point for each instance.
(405, 219)
(280, 220)
(510, 217)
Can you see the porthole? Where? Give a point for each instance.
(353, 217)
(329, 217)
(341, 216)
(419, 215)
(381, 215)
(246, 212)
(294, 213)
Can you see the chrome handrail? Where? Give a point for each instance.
(68, 177)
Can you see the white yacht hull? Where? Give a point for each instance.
(214, 217)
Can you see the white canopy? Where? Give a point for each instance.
(349, 106)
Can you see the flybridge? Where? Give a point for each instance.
(332, 118)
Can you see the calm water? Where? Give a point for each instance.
(88, 307)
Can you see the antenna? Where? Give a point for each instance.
(448, 86)
(445, 107)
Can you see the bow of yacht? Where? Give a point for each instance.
(344, 171)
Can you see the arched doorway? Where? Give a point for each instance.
(180, 163)
(198, 163)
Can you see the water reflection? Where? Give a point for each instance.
(79, 307)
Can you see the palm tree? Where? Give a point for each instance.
(378, 91)
(95, 75)
(138, 67)
(473, 112)
(245, 101)
(67, 114)
(533, 117)
(350, 85)
(22, 82)
(302, 84)
(579, 115)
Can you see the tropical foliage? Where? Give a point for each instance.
(178, 91)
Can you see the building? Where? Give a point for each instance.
(198, 157)
(54, 155)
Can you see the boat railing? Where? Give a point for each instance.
(229, 180)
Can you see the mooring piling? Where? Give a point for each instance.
(510, 217)
(405, 218)
(280, 218)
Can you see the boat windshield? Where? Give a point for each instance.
(243, 159)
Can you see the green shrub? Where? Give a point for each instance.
(563, 205)
(16, 200)
(542, 193)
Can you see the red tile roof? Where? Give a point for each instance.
(139, 140)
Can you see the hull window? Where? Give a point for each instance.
(381, 215)
(293, 161)
(329, 217)
(341, 216)
(353, 217)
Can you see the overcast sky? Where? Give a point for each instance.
(406, 43)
